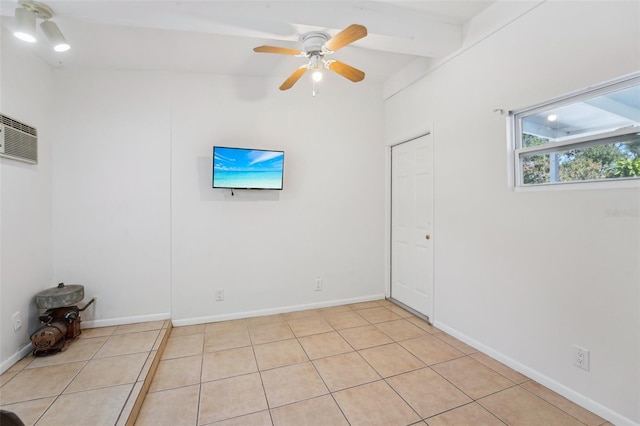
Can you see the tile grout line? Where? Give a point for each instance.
(200, 381)
(438, 335)
(464, 405)
(330, 392)
(264, 391)
(86, 362)
(320, 375)
(394, 341)
(146, 383)
(465, 393)
(385, 378)
(309, 360)
(549, 402)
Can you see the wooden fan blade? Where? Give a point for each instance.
(347, 71)
(347, 36)
(275, 49)
(293, 78)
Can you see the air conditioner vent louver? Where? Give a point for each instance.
(18, 141)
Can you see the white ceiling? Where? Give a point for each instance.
(218, 36)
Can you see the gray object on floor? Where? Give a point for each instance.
(8, 418)
(60, 296)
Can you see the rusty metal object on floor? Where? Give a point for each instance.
(61, 321)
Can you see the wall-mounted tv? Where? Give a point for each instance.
(243, 168)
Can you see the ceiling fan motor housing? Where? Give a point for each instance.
(314, 41)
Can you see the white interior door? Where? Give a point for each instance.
(412, 224)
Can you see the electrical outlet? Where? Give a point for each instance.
(219, 295)
(17, 321)
(318, 284)
(581, 357)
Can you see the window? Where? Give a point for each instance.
(590, 136)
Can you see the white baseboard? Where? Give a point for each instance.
(272, 311)
(570, 394)
(8, 363)
(125, 320)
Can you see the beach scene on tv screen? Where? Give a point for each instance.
(246, 168)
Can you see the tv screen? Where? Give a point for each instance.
(243, 168)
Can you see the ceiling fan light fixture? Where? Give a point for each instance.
(25, 25)
(53, 33)
(317, 44)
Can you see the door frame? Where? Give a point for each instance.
(426, 131)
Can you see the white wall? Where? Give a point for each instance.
(111, 191)
(265, 249)
(25, 198)
(137, 222)
(526, 275)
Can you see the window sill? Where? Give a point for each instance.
(613, 184)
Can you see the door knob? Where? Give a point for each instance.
(428, 237)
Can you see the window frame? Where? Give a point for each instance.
(518, 152)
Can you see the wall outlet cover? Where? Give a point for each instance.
(581, 357)
(17, 321)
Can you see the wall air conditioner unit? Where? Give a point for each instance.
(18, 141)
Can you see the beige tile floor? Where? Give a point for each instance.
(364, 364)
(98, 380)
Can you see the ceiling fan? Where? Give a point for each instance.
(316, 45)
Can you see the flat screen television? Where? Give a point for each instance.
(244, 168)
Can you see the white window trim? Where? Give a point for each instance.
(578, 185)
(514, 132)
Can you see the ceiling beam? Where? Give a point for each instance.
(391, 28)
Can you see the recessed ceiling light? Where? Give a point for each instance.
(552, 117)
